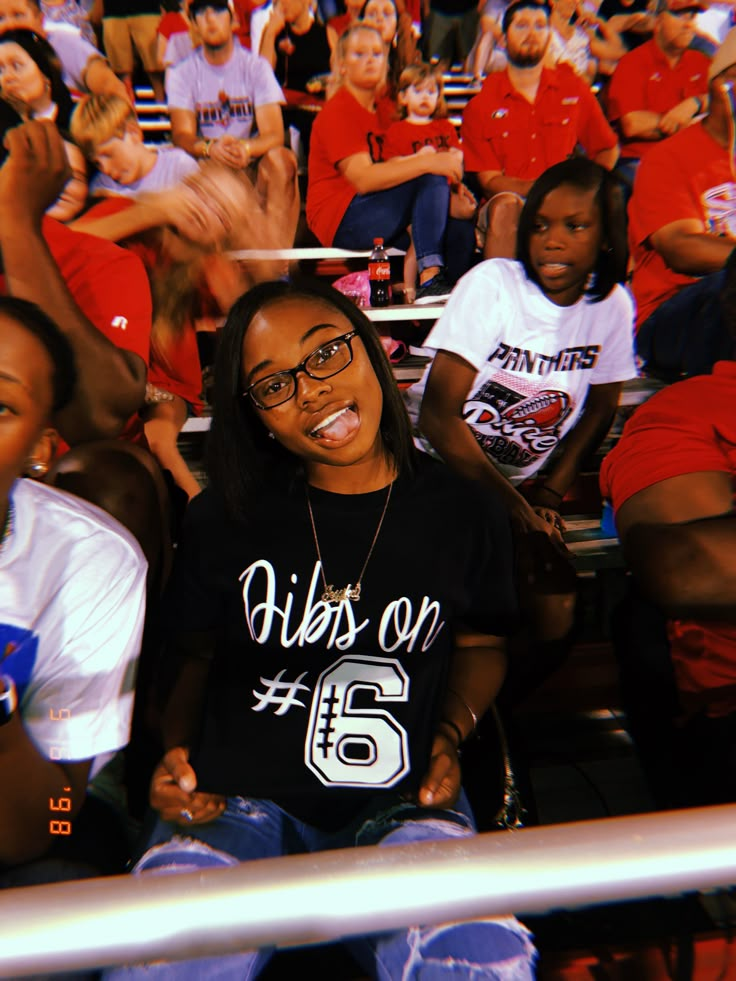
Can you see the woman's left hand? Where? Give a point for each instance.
(441, 784)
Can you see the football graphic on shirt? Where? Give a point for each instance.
(545, 409)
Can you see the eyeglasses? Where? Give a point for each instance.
(329, 359)
(684, 13)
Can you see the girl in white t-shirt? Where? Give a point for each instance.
(72, 596)
(532, 354)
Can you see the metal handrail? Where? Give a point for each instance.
(315, 898)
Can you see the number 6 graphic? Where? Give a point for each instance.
(358, 747)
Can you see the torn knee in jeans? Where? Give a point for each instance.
(182, 855)
(407, 823)
(498, 950)
(428, 830)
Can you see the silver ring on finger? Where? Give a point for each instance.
(186, 814)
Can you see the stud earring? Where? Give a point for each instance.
(37, 469)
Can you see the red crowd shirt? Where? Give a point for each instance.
(502, 131)
(340, 23)
(404, 138)
(644, 80)
(176, 367)
(110, 287)
(243, 10)
(387, 111)
(685, 176)
(686, 428)
(108, 284)
(342, 129)
(172, 23)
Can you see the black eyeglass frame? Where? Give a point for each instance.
(302, 367)
(682, 12)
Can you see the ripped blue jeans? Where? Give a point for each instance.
(497, 949)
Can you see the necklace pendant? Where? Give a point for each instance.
(349, 594)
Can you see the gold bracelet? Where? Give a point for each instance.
(550, 490)
(472, 714)
(246, 144)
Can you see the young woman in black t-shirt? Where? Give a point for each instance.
(336, 614)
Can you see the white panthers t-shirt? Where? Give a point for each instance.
(172, 166)
(534, 361)
(72, 600)
(223, 97)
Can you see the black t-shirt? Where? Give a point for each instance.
(131, 8)
(453, 8)
(611, 8)
(325, 707)
(301, 56)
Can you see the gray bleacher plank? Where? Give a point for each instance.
(403, 311)
(591, 551)
(308, 252)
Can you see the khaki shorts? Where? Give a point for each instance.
(120, 34)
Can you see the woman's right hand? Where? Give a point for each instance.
(173, 792)
(462, 202)
(552, 517)
(527, 520)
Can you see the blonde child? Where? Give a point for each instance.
(107, 131)
(424, 128)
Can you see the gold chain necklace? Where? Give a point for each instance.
(350, 593)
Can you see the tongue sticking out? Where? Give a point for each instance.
(340, 426)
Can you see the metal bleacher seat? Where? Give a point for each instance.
(154, 116)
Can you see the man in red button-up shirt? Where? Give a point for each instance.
(525, 119)
(661, 86)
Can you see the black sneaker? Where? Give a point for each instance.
(435, 290)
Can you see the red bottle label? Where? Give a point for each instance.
(379, 271)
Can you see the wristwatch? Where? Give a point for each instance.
(8, 699)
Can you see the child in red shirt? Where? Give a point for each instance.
(424, 128)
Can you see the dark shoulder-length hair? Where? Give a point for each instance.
(242, 460)
(33, 319)
(47, 62)
(583, 174)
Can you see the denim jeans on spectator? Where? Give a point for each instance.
(496, 949)
(687, 334)
(423, 203)
(704, 45)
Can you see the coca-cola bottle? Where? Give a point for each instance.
(379, 274)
